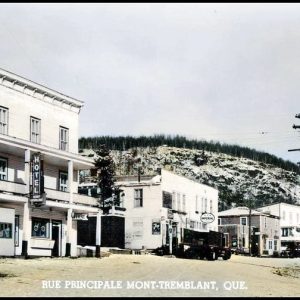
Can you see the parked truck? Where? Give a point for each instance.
(200, 245)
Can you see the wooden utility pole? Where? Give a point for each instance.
(295, 127)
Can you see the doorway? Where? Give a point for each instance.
(56, 236)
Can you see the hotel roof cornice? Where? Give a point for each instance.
(36, 90)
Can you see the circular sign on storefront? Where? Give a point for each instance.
(207, 218)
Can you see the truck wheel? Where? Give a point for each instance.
(227, 255)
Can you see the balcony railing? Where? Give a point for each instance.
(65, 196)
(84, 199)
(57, 195)
(51, 194)
(12, 187)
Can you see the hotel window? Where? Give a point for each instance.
(283, 215)
(210, 206)
(205, 206)
(3, 120)
(63, 138)
(196, 204)
(63, 181)
(138, 198)
(219, 221)
(3, 169)
(35, 130)
(40, 228)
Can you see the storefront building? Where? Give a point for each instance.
(254, 231)
(159, 208)
(39, 165)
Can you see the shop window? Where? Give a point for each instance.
(63, 138)
(138, 198)
(5, 230)
(35, 130)
(63, 181)
(40, 228)
(3, 120)
(3, 169)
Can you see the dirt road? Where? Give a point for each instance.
(148, 275)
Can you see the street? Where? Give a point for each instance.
(149, 275)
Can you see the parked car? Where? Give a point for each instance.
(291, 252)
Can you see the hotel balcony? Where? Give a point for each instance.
(60, 196)
(12, 187)
(13, 191)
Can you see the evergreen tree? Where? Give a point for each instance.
(109, 192)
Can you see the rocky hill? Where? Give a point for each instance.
(239, 180)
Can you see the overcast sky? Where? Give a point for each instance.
(227, 72)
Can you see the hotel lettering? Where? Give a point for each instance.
(37, 177)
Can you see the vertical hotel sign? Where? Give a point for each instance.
(37, 190)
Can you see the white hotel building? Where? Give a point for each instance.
(162, 206)
(37, 120)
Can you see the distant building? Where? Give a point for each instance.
(158, 208)
(289, 221)
(39, 164)
(265, 230)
